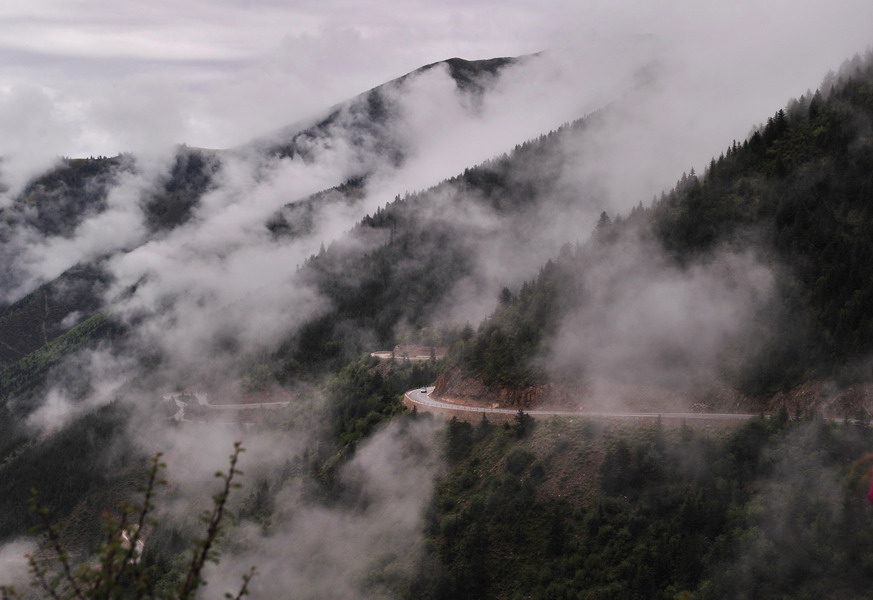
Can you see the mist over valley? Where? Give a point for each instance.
(589, 316)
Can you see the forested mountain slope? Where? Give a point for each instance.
(418, 249)
(389, 274)
(564, 509)
(726, 278)
(366, 119)
(55, 203)
(52, 208)
(793, 202)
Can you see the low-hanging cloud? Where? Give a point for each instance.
(105, 223)
(86, 380)
(359, 547)
(14, 568)
(642, 320)
(220, 287)
(243, 68)
(223, 275)
(33, 129)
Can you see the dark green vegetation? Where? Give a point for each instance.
(400, 282)
(579, 510)
(369, 115)
(190, 177)
(58, 320)
(118, 571)
(298, 218)
(48, 311)
(55, 203)
(80, 471)
(416, 254)
(554, 510)
(59, 200)
(367, 118)
(502, 351)
(52, 362)
(28, 374)
(367, 392)
(798, 193)
(472, 74)
(90, 465)
(803, 185)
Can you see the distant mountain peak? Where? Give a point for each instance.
(470, 76)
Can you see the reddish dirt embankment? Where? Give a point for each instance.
(472, 391)
(826, 398)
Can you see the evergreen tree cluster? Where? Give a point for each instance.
(415, 254)
(771, 509)
(798, 192)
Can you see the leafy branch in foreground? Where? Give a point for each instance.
(117, 573)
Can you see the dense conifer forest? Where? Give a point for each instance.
(581, 509)
(796, 193)
(546, 508)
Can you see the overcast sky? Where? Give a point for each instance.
(98, 76)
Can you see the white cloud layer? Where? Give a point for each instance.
(83, 78)
(129, 75)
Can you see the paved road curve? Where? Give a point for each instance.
(421, 398)
(201, 400)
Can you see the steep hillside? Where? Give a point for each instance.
(767, 253)
(57, 201)
(48, 311)
(418, 248)
(366, 118)
(391, 270)
(560, 509)
(53, 206)
(723, 284)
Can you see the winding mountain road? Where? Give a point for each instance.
(422, 400)
(200, 399)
